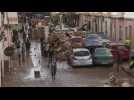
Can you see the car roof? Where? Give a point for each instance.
(80, 49)
(116, 43)
(92, 35)
(76, 37)
(101, 48)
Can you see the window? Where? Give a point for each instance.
(111, 29)
(126, 32)
(114, 35)
(95, 25)
(106, 26)
(120, 33)
(89, 25)
(130, 31)
(81, 53)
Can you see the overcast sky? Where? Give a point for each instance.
(130, 14)
(127, 14)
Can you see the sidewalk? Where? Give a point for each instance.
(128, 71)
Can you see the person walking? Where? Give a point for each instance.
(53, 67)
(28, 44)
(50, 54)
(23, 52)
(41, 44)
(19, 56)
(119, 61)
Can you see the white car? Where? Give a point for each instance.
(80, 57)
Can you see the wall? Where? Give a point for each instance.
(1, 60)
(121, 33)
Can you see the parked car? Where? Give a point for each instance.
(105, 42)
(80, 57)
(123, 51)
(103, 38)
(92, 41)
(103, 35)
(102, 56)
(76, 41)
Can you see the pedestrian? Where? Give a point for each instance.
(119, 61)
(47, 48)
(18, 44)
(24, 37)
(19, 56)
(53, 67)
(23, 52)
(41, 44)
(50, 54)
(28, 44)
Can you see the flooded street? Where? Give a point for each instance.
(23, 76)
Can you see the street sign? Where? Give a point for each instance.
(9, 51)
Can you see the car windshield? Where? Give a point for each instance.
(81, 53)
(94, 41)
(76, 40)
(92, 38)
(102, 35)
(122, 47)
(102, 51)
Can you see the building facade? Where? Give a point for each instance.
(117, 27)
(6, 19)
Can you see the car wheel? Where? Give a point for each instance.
(110, 65)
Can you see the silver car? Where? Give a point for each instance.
(80, 57)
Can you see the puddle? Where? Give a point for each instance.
(43, 74)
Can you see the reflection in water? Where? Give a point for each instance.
(36, 56)
(43, 73)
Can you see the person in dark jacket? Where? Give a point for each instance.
(28, 44)
(23, 52)
(50, 54)
(41, 44)
(53, 67)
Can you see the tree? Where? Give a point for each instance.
(71, 19)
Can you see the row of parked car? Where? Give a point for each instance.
(95, 49)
